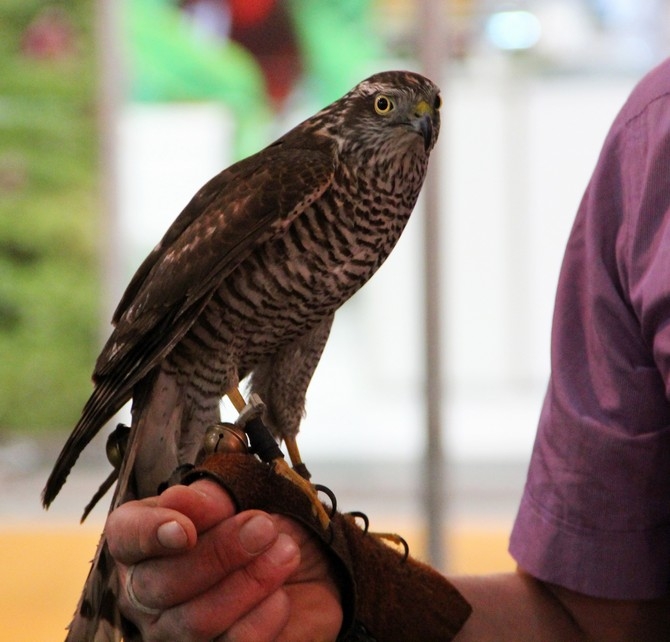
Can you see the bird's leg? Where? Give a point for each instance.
(236, 398)
(294, 455)
(277, 460)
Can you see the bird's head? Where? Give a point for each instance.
(391, 108)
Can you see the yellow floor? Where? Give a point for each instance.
(43, 570)
(42, 573)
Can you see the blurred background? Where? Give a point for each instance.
(112, 114)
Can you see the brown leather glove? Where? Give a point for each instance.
(386, 597)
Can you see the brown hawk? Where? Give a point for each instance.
(246, 281)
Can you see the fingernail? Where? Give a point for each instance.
(257, 534)
(172, 535)
(283, 551)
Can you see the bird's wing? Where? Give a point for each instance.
(241, 208)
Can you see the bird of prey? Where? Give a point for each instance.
(246, 281)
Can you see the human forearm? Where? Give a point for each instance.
(520, 608)
(514, 607)
(605, 620)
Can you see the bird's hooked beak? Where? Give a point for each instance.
(422, 121)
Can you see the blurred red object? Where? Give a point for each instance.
(265, 28)
(247, 13)
(49, 36)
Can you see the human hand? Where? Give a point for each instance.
(198, 571)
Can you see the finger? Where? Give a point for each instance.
(166, 524)
(264, 622)
(217, 609)
(169, 581)
(139, 530)
(319, 611)
(204, 502)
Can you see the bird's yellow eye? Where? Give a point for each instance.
(383, 105)
(438, 102)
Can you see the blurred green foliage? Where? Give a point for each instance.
(48, 212)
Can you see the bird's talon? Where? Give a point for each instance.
(281, 467)
(320, 488)
(396, 539)
(393, 538)
(362, 516)
(175, 478)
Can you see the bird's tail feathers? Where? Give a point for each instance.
(100, 493)
(101, 406)
(157, 417)
(97, 618)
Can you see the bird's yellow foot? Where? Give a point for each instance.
(393, 538)
(281, 467)
(295, 457)
(300, 476)
(396, 539)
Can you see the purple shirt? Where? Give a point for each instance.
(595, 514)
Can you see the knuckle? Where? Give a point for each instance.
(182, 625)
(261, 576)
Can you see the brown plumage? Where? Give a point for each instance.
(246, 282)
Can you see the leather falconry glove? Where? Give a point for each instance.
(386, 596)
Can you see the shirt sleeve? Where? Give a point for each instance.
(595, 513)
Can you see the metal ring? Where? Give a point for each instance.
(132, 598)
